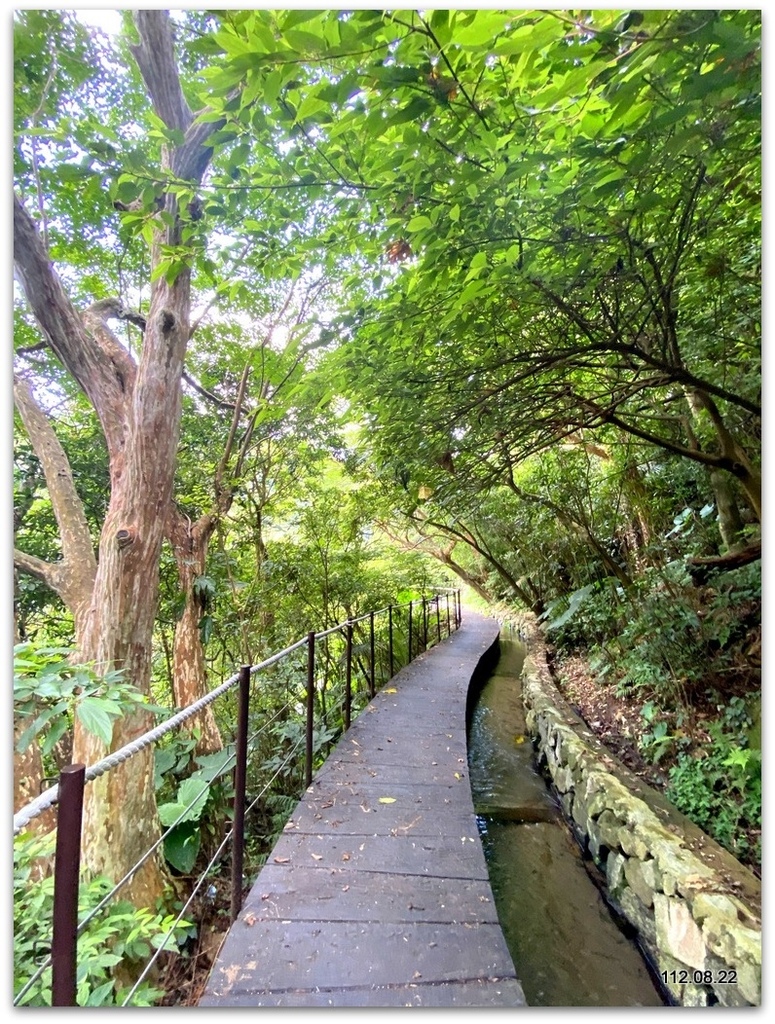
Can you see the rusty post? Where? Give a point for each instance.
(67, 867)
(371, 648)
(348, 680)
(409, 646)
(390, 639)
(240, 786)
(310, 704)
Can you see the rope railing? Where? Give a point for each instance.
(337, 678)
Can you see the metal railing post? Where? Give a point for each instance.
(449, 631)
(438, 621)
(348, 679)
(424, 624)
(459, 609)
(409, 649)
(67, 866)
(240, 786)
(390, 639)
(310, 704)
(371, 648)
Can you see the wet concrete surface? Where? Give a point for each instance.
(567, 947)
(377, 893)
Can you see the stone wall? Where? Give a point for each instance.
(696, 910)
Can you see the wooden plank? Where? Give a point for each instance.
(403, 854)
(377, 893)
(477, 993)
(310, 893)
(290, 954)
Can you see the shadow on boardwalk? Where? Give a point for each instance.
(377, 893)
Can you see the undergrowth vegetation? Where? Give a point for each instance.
(690, 656)
(317, 309)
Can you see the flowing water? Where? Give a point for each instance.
(566, 946)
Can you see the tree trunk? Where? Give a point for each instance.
(730, 522)
(729, 519)
(72, 578)
(139, 411)
(189, 671)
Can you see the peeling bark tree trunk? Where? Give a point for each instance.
(72, 578)
(139, 411)
(190, 544)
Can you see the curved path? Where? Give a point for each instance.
(377, 892)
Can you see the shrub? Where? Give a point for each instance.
(119, 934)
(720, 786)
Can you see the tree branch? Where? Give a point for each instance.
(155, 56)
(73, 578)
(701, 568)
(99, 366)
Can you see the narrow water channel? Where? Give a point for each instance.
(566, 946)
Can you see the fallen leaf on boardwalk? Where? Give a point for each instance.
(345, 888)
(345, 856)
(282, 860)
(387, 799)
(317, 856)
(390, 689)
(264, 895)
(458, 775)
(417, 974)
(250, 920)
(519, 739)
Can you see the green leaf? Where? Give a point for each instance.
(193, 794)
(311, 105)
(101, 995)
(304, 42)
(470, 292)
(181, 847)
(54, 734)
(298, 17)
(482, 30)
(419, 223)
(95, 719)
(206, 625)
(529, 37)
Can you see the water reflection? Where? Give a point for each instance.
(566, 946)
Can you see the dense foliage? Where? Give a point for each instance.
(470, 295)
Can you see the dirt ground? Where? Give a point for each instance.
(615, 720)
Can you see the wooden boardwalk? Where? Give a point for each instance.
(377, 894)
